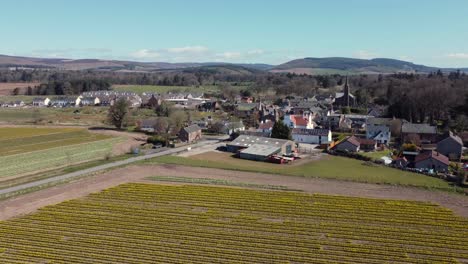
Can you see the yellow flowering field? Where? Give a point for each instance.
(149, 223)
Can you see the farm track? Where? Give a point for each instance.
(138, 173)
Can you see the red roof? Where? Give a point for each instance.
(365, 141)
(432, 154)
(299, 120)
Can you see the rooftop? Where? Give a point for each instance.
(418, 128)
(247, 141)
(261, 150)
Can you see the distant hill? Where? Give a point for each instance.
(332, 65)
(341, 65)
(122, 66)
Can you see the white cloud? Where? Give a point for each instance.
(256, 52)
(188, 49)
(229, 55)
(197, 53)
(365, 54)
(458, 55)
(145, 54)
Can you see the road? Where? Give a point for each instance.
(28, 185)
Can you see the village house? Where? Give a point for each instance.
(18, 103)
(312, 136)
(269, 113)
(89, 101)
(147, 125)
(190, 134)
(299, 121)
(432, 160)
(266, 128)
(150, 101)
(63, 101)
(451, 146)
(260, 148)
(232, 127)
(349, 144)
(418, 133)
(209, 106)
(40, 102)
(367, 144)
(378, 129)
(245, 110)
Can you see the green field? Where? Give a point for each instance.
(149, 223)
(26, 150)
(165, 89)
(330, 167)
(88, 116)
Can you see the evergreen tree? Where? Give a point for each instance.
(281, 131)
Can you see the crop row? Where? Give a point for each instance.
(145, 223)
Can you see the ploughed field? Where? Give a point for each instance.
(28, 149)
(149, 223)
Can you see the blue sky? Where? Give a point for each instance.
(427, 32)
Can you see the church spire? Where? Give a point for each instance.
(346, 91)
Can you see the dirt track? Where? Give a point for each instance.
(31, 202)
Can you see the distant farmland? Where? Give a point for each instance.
(26, 150)
(7, 88)
(165, 89)
(149, 223)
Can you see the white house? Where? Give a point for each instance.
(378, 129)
(41, 102)
(266, 127)
(312, 136)
(299, 121)
(91, 101)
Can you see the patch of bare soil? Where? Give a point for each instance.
(31, 202)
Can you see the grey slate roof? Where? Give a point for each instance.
(192, 128)
(379, 121)
(312, 132)
(418, 128)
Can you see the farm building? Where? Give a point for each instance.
(312, 136)
(190, 133)
(260, 148)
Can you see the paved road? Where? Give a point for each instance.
(106, 166)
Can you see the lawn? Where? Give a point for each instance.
(329, 167)
(25, 150)
(149, 223)
(376, 154)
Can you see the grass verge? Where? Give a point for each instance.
(330, 167)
